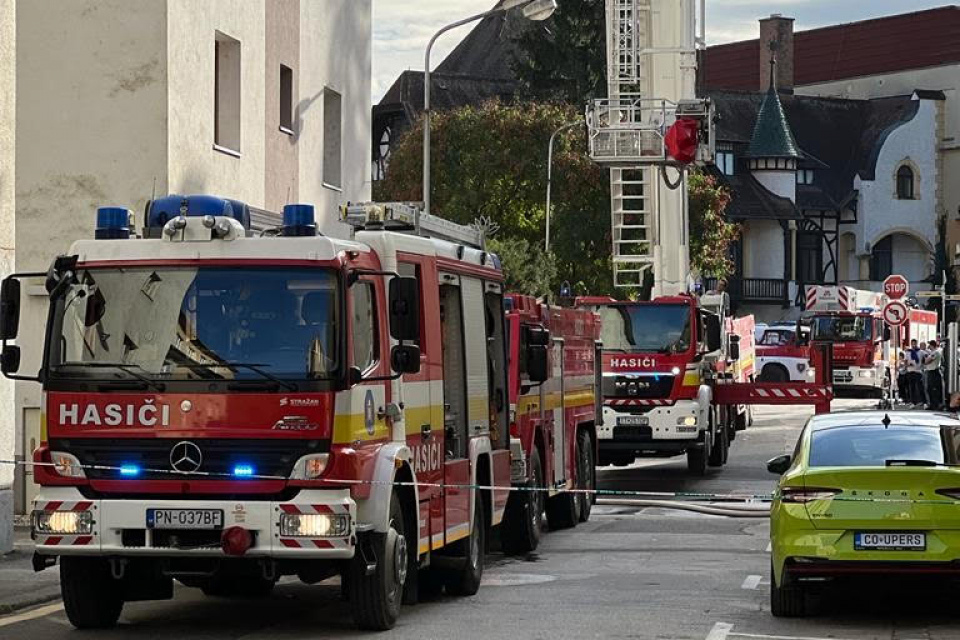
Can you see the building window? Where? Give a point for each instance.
(881, 259)
(809, 257)
(725, 162)
(332, 139)
(286, 99)
(226, 92)
(905, 183)
(364, 325)
(805, 176)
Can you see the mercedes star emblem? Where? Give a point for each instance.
(185, 457)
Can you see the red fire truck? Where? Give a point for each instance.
(850, 319)
(224, 409)
(661, 360)
(554, 403)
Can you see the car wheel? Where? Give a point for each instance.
(786, 601)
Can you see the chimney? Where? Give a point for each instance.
(776, 39)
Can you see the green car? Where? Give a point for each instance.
(865, 493)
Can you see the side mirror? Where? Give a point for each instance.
(9, 308)
(405, 310)
(10, 360)
(713, 333)
(405, 358)
(537, 336)
(780, 464)
(734, 347)
(537, 363)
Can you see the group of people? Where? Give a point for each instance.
(919, 375)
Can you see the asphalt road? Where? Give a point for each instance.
(631, 572)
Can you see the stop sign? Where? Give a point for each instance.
(896, 287)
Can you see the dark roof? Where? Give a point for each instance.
(882, 45)
(447, 91)
(772, 137)
(844, 135)
(751, 200)
(488, 50)
(810, 197)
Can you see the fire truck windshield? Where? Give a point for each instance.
(647, 328)
(842, 328)
(198, 323)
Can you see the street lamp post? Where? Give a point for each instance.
(536, 10)
(553, 136)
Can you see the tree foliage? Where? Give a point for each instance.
(490, 160)
(711, 235)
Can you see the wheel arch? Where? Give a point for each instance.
(394, 464)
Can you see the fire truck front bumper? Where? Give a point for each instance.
(857, 379)
(671, 428)
(316, 524)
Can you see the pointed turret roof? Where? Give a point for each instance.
(772, 137)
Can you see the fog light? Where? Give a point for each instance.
(675, 371)
(310, 467)
(67, 465)
(687, 421)
(314, 525)
(65, 523)
(869, 373)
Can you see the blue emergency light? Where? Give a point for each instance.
(299, 220)
(113, 223)
(243, 470)
(130, 470)
(163, 210)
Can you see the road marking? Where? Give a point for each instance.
(720, 631)
(31, 615)
(769, 547)
(751, 582)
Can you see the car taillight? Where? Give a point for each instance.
(950, 493)
(806, 494)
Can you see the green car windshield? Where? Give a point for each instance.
(875, 445)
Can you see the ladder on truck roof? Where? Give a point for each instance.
(407, 217)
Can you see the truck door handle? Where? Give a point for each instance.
(426, 432)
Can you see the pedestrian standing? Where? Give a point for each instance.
(903, 386)
(934, 380)
(914, 374)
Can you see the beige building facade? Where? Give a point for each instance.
(8, 103)
(263, 101)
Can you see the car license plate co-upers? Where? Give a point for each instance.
(184, 519)
(889, 541)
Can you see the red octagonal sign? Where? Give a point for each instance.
(896, 287)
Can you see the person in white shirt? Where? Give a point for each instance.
(915, 374)
(933, 379)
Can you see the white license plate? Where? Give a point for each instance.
(633, 421)
(184, 519)
(889, 541)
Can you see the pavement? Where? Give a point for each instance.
(20, 586)
(631, 572)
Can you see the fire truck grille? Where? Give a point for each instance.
(221, 457)
(641, 387)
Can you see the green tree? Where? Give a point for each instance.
(490, 161)
(710, 233)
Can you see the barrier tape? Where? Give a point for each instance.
(692, 496)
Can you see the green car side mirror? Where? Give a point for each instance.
(779, 465)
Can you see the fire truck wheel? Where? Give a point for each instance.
(465, 581)
(586, 475)
(91, 596)
(721, 444)
(697, 457)
(562, 512)
(774, 373)
(523, 520)
(375, 596)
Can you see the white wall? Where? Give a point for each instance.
(762, 249)
(781, 183)
(335, 52)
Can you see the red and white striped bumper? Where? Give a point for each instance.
(120, 526)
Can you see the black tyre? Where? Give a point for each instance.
(562, 511)
(465, 581)
(774, 373)
(697, 458)
(91, 596)
(523, 520)
(375, 599)
(586, 475)
(719, 445)
(787, 601)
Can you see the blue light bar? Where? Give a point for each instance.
(243, 470)
(130, 470)
(162, 210)
(113, 223)
(299, 220)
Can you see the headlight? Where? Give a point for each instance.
(314, 525)
(310, 467)
(64, 523)
(675, 371)
(687, 421)
(67, 465)
(869, 373)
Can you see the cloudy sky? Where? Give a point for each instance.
(401, 28)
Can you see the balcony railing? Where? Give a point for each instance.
(755, 290)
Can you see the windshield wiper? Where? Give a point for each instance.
(916, 463)
(126, 367)
(256, 368)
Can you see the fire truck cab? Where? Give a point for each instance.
(554, 356)
(225, 409)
